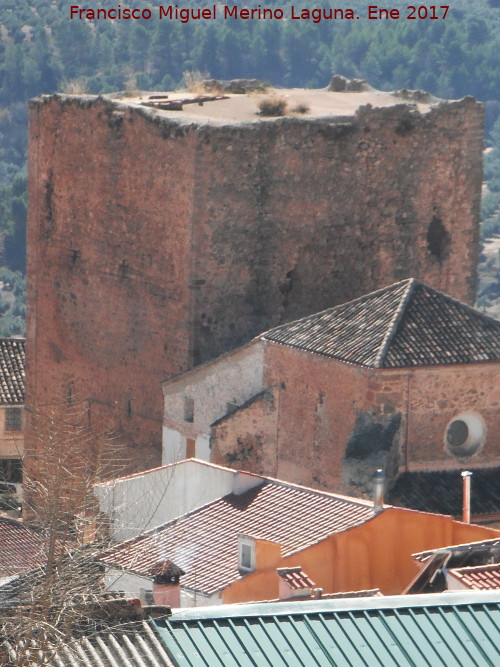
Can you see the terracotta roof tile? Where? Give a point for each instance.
(295, 577)
(204, 543)
(12, 360)
(406, 324)
(440, 491)
(481, 577)
(21, 548)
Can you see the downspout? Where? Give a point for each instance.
(407, 428)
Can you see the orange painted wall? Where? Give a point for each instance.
(376, 554)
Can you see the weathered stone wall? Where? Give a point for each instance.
(247, 439)
(108, 260)
(296, 216)
(442, 394)
(333, 424)
(155, 245)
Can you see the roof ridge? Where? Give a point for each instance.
(320, 313)
(472, 309)
(393, 326)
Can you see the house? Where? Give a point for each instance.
(246, 544)
(139, 502)
(448, 629)
(12, 361)
(405, 378)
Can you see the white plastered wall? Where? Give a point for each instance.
(146, 500)
(229, 380)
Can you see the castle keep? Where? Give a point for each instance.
(160, 238)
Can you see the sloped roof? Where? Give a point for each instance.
(295, 577)
(406, 324)
(441, 491)
(204, 543)
(489, 548)
(21, 548)
(12, 360)
(450, 629)
(135, 645)
(481, 577)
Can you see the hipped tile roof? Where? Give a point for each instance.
(441, 491)
(406, 324)
(204, 543)
(12, 360)
(481, 577)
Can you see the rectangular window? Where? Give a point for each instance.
(188, 409)
(14, 419)
(246, 556)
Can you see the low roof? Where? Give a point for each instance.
(404, 325)
(204, 542)
(295, 577)
(12, 360)
(450, 629)
(132, 644)
(492, 545)
(481, 577)
(441, 491)
(21, 548)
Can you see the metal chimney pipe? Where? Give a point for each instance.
(378, 491)
(466, 475)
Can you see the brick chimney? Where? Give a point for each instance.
(166, 583)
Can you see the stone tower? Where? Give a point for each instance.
(164, 234)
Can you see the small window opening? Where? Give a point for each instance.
(123, 269)
(438, 239)
(14, 419)
(246, 555)
(188, 409)
(11, 470)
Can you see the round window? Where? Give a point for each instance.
(457, 433)
(464, 435)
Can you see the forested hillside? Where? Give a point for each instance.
(43, 51)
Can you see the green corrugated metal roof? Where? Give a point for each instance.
(450, 629)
